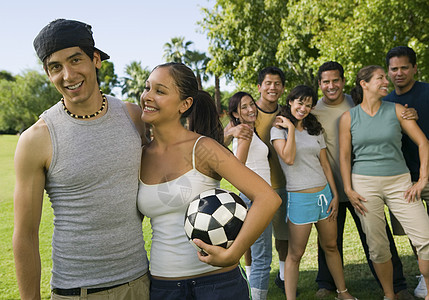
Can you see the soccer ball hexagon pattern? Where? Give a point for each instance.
(215, 217)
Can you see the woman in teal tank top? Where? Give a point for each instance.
(376, 174)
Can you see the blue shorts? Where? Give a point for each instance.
(306, 208)
(229, 285)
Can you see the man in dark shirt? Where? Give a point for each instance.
(401, 64)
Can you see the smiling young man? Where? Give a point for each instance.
(328, 110)
(87, 159)
(402, 68)
(271, 81)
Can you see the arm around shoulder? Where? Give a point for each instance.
(411, 128)
(30, 168)
(242, 131)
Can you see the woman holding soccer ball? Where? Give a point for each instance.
(178, 165)
(312, 196)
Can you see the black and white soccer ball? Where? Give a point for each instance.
(215, 217)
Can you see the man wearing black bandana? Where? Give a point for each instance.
(85, 152)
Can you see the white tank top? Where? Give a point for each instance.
(257, 158)
(171, 253)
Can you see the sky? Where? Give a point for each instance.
(127, 30)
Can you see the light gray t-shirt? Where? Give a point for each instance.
(306, 171)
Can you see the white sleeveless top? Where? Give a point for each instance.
(257, 158)
(171, 254)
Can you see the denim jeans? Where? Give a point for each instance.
(231, 285)
(261, 259)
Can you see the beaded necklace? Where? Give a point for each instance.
(103, 105)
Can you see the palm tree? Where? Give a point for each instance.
(176, 50)
(197, 61)
(135, 82)
(217, 95)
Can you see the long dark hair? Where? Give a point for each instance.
(365, 74)
(234, 104)
(202, 115)
(204, 118)
(310, 122)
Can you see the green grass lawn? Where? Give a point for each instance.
(358, 277)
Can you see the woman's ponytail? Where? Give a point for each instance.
(204, 118)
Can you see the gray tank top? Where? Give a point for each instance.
(92, 183)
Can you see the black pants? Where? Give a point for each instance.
(324, 278)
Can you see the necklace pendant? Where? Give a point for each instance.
(103, 105)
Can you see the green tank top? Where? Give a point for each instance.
(376, 142)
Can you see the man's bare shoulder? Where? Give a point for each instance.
(136, 115)
(133, 109)
(35, 142)
(36, 132)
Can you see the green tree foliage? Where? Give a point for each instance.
(135, 81)
(224, 95)
(23, 100)
(362, 32)
(298, 36)
(108, 78)
(7, 76)
(244, 36)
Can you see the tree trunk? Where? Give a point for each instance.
(200, 85)
(217, 94)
